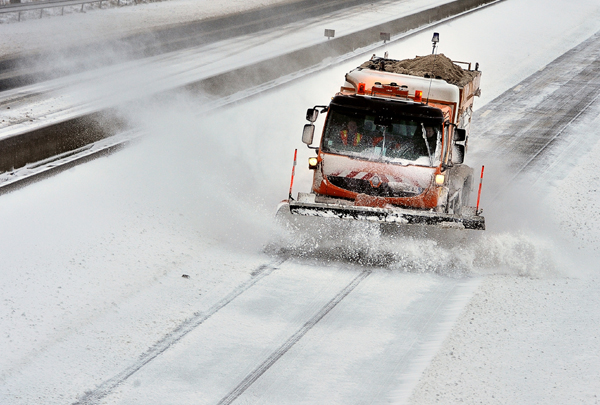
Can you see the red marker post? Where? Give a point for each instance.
(293, 172)
(479, 193)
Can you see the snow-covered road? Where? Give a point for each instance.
(303, 329)
(529, 334)
(92, 262)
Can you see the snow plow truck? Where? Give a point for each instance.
(393, 145)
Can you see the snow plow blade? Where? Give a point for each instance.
(388, 215)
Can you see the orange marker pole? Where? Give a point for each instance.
(479, 193)
(293, 172)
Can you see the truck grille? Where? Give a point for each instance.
(365, 187)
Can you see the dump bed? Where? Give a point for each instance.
(430, 66)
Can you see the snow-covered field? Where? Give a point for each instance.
(92, 259)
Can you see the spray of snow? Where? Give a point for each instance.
(453, 253)
(521, 239)
(213, 169)
(225, 170)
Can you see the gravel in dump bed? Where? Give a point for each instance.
(436, 66)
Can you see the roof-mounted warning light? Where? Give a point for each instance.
(418, 96)
(361, 88)
(434, 41)
(389, 90)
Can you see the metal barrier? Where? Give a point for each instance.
(41, 5)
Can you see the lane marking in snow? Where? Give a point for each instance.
(554, 136)
(554, 103)
(433, 331)
(277, 354)
(102, 390)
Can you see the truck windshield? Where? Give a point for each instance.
(397, 139)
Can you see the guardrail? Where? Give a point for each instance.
(41, 5)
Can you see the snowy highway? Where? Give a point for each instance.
(143, 277)
(303, 328)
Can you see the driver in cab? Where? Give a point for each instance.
(350, 135)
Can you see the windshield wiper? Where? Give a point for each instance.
(424, 133)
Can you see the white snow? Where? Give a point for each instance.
(577, 196)
(530, 334)
(92, 260)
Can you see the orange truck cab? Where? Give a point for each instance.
(392, 150)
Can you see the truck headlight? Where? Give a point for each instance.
(439, 179)
(312, 163)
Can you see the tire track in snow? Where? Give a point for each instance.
(531, 120)
(277, 354)
(584, 88)
(102, 390)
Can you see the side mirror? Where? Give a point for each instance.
(308, 133)
(458, 154)
(460, 135)
(312, 114)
